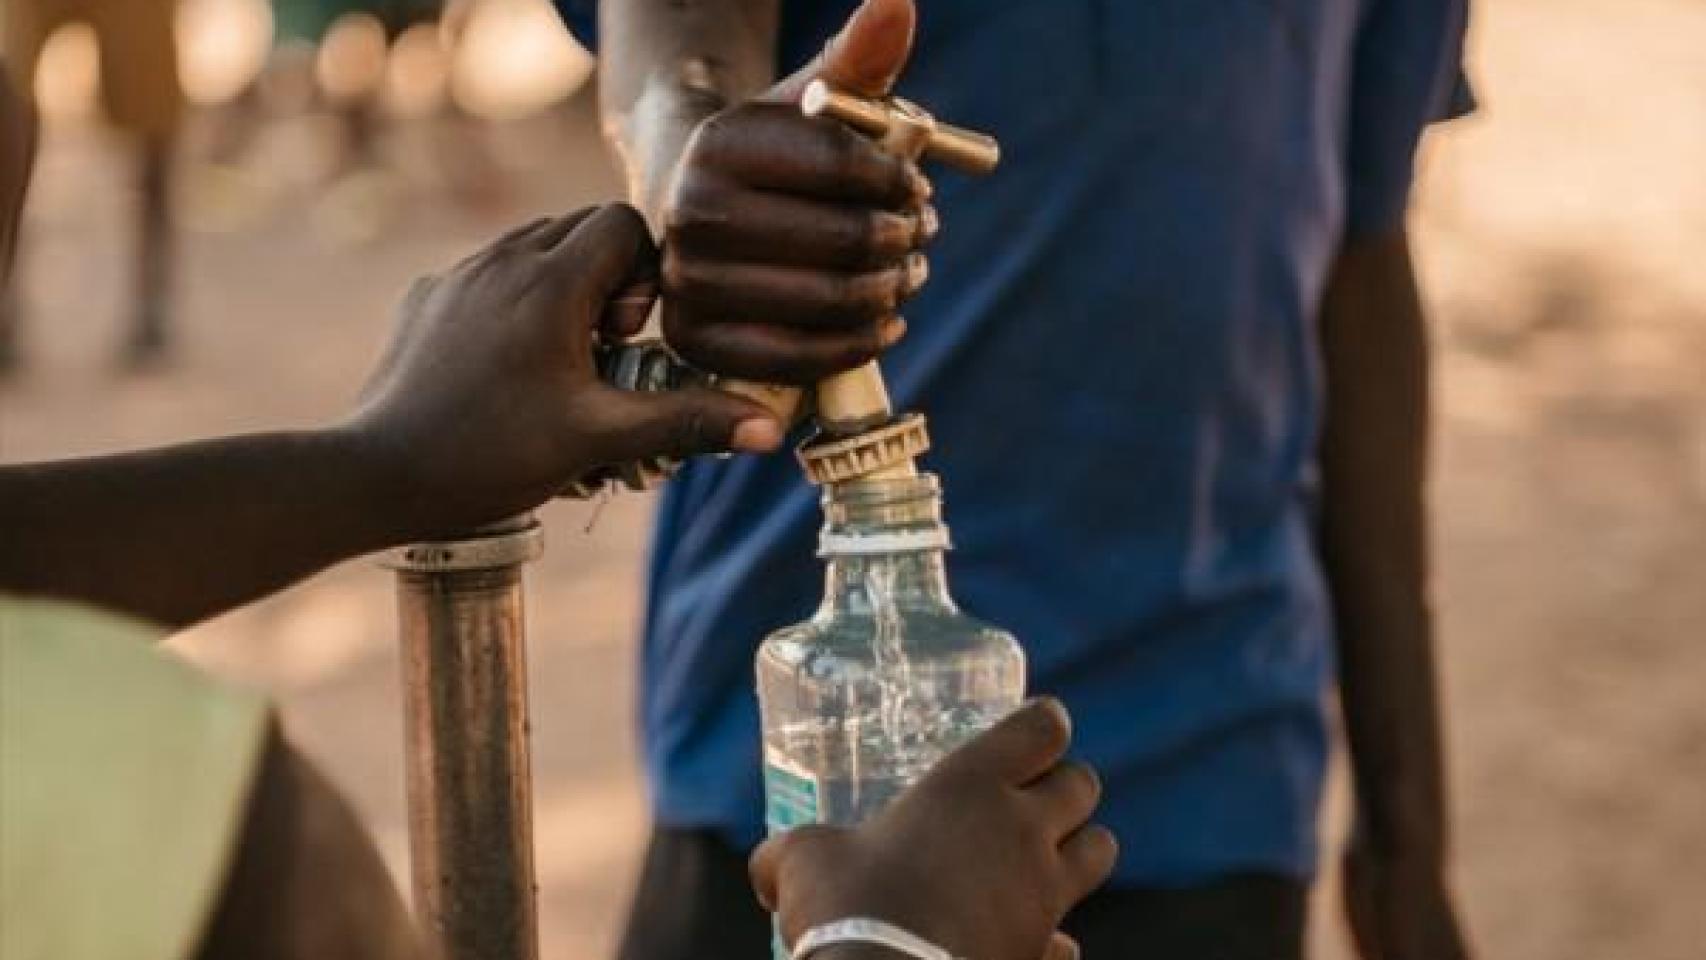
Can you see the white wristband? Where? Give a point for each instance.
(867, 930)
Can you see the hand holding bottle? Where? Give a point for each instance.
(982, 857)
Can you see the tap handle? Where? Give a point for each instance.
(900, 122)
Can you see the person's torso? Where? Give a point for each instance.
(1117, 358)
(126, 778)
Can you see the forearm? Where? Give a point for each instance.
(666, 65)
(1374, 463)
(182, 533)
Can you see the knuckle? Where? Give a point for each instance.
(884, 237)
(858, 297)
(846, 154)
(720, 136)
(710, 347)
(839, 291)
(683, 331)
(712, 134)
(879, 292)
(862, 350)
(865, 240)
(679, 275)
(692, 212)
(864, 346)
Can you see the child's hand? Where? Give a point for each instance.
(983, 857)
(487, 401)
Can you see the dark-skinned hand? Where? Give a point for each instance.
(790, 242)
(982, 857)
(487, 401)
(1399, 906)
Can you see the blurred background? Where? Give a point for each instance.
(1562, 243)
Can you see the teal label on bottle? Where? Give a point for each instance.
(791, 799)
(791, 796)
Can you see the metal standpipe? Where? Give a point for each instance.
(466, 726)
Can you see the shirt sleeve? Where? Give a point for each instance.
(582, 19)
(1408, 73)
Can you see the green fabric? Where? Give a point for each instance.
(124, 778)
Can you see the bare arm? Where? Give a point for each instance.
(179, 533)
(463, 423)
(1374, 462)
(306, 881)
(666, 65)
(1374, 539)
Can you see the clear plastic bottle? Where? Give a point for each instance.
(888, 675)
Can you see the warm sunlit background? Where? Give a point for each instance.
(1562, 241)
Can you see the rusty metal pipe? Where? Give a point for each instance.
(466, 727)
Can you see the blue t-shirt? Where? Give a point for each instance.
(1118, 355)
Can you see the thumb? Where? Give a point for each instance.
(866, 57)
(681, 424)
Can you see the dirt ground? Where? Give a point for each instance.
(1562, 240)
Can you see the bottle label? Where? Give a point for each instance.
(791, 796)
(791, 799)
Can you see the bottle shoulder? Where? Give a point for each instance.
(925, 634)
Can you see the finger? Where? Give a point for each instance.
(600, 255)
(866, 56)
(769, 353)
(508, 241)
(515, 235)
(793, 296)
(764, 227)
(762, 869)
(1021, 747)
(772, 147)
(1061, 947)
(550, 231)
(680, 424)
(1067, 795)
(626, 313)
(766, 866)
(1086, 858)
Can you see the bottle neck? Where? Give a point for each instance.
(883, 541)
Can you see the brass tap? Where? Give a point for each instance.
(860, 435)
